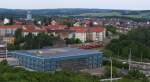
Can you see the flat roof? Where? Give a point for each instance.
(57, 52)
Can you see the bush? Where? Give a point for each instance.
(4, 62)
(73, 41)
(135, 74)
(116, 64)
(12, 74)
(108, 70)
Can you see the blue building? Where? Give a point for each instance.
(59, 58)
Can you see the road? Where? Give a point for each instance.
(113, 79)
(142, 66)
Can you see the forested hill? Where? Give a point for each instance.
(78, 12)
(137, 41)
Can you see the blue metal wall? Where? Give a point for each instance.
(51, 64)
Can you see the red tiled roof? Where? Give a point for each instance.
(32, 28)
(56, 27)
(78, 29)
(17, 22)
(10, 26)
(97, 29)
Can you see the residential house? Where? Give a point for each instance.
(97, 33)
(32, 29)
(7, 33)
(58, 30)
(89, 34)
(79, 32)
(8, 30)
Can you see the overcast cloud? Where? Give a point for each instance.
(101, 4)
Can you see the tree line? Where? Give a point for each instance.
(137, 41)
(31, 41)
(16, 74)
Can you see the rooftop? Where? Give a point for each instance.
(33, 28)
(97, 29)
(57, 52)
(78, 29)
(9, 26)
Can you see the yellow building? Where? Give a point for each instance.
(9, 40)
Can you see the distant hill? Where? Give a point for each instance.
(79, 12)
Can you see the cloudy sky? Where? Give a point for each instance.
(101, 4)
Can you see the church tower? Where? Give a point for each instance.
(29, 16)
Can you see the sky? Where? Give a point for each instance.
(100, 4)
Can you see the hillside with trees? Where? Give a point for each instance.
(75, 12)
(137, 41)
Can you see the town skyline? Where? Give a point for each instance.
(96, 4)
(74, 41)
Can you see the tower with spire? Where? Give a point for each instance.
(29, 16)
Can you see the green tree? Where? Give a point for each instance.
(136, 74)
(13, 74)
(72, 41)
(137, 40)
(111, 29)
(4, 62)
(18, 36)
(108, 53)
(28, 43)
(114, 71)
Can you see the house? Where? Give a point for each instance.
(7, 33)
(89, 33)
(1, 22)
(58, 30)
(32, 29)
(6, 21)
(97, 33)
(8, 30)
(79, 32)
(9, 39)
(60, 33)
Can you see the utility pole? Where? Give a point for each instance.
(129, 60)
(111, 69)
(141, 57)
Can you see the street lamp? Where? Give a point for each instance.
(129, 60)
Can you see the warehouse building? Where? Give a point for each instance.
(58, 59)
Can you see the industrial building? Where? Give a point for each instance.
(58, 59)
